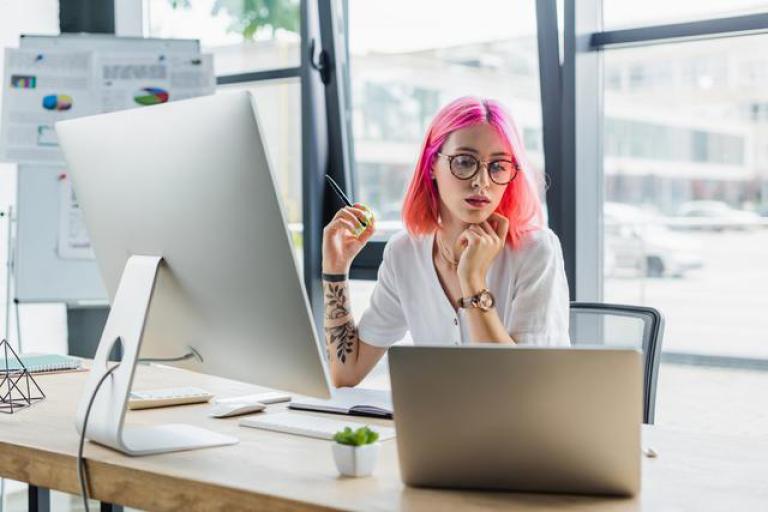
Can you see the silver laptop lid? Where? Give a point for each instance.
(519, 418)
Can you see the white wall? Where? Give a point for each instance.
(43, 325)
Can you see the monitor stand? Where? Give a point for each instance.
(125, 324)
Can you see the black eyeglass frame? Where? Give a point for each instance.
(478, 166)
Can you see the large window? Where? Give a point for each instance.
(685, 200)
(404, 68)
(686, 190)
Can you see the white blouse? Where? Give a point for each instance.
(528, 283)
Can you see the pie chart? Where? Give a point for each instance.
(150, 96)
(57, 102)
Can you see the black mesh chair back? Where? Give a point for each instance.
(617, 324)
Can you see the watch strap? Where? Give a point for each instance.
(473, 301)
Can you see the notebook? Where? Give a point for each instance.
(42, 363)
(352, 401)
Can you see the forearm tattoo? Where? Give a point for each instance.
(340, 330)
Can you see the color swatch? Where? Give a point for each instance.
(57, 102)
(23, 81)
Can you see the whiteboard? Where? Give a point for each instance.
(41, 275)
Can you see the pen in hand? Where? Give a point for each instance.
(336, 188)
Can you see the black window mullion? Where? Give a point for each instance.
(258, 76)
(315, 157)
(333, 58)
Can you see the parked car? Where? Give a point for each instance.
(640, 243)
(714, 216)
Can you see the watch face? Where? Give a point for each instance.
(485, 300)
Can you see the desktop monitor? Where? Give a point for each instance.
(193, 248)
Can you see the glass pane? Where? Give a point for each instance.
(278, 106)
(441, 51)
(243, 35)
(686, 188)
(623, 13)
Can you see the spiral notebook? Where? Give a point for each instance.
(43, 363)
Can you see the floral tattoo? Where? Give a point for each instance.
(336, 304)
(342, 336)
(339, 336)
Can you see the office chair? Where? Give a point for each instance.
(617, 324)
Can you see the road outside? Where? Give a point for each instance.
(721, 308)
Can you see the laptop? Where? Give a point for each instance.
(563, 420)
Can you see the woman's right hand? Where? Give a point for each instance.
(341, 241)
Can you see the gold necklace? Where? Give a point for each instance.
(445, 253)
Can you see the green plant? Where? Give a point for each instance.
(358, 437)
(251, 16)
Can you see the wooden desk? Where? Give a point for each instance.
(280, 472)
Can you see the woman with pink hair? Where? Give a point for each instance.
(476, 262)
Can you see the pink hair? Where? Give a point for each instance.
(520, 202)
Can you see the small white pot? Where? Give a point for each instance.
(356, 460)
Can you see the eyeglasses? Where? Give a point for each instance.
(465, 167)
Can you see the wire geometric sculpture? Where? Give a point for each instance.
(16, 392)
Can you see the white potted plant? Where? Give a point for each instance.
(356, 451)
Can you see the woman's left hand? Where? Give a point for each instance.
(480, 244)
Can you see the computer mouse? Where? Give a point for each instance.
(235, 409)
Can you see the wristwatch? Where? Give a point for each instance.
(483, 301)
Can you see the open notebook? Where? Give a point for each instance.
(352, 401)
(42, 363)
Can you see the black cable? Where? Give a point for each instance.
(81, 472)
(82, 475)
(192, 354)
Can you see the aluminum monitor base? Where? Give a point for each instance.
(173, 437)
(125, 324)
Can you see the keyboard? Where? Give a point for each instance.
(309, 426)
(166, 397)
